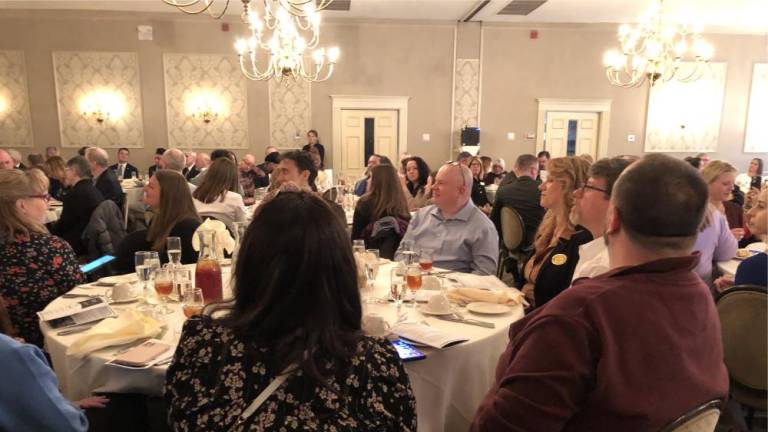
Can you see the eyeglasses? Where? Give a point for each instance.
(586, 186)
(44, 197)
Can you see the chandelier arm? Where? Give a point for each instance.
(220, 14)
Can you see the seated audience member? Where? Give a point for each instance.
(587, 157)
(123, 169)
(497, 173)
(6, 161)
(361, 186)
(35, 160)
(752, 179)
(158, 155)
(720, 176)
(51, 151)
(246, 166)
(17, 159)
(753, 270)
(104, 178)
(81, 151)
(217, 197)
(35, 266)
(324, 180)
(703, 160)
(581, 363)
(464, 158)
(335, 377)
(487, 161)
(173, 159)
(694, 162)
(479, 197)
(189, 163)
(417, 182)
(544, 158)
(174, 215)
(55, 168)
(590, 207)
(264, 170)
(202, 161)
(386, 199)
(219, 153)
(556, 245)
(522, 195)
(78, 204)
(462, 237)
(714, 243)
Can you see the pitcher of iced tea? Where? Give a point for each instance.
(208, 271)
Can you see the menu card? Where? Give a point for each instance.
(426, 335)
(76, 313)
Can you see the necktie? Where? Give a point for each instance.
(120, 171)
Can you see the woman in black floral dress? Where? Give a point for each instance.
(35, 266)
(296, 310)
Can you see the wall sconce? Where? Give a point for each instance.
(204, 106)
(102, 105)
(3, 106)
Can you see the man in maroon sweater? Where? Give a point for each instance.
(632, 349)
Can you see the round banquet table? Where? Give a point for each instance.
(448, 385)
(728, 267)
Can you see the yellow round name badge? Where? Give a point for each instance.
(559, 259)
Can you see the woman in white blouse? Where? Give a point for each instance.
(216, 197)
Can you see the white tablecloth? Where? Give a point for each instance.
(728, 267)
(449, 384)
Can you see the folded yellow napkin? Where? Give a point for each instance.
(131, 325)
(223, 238)
(509, 296)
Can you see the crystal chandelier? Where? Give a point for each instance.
(294, 7)
(285, 44)
(655, 50)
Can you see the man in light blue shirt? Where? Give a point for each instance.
(461, 236)
(29, 393)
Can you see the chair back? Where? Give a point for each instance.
(742, 311)
(701, 419)
(512, 228)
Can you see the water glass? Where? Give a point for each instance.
(182, 280)
(142, 261)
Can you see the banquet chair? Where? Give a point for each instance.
(512, 236)
(701, 419)
(743, 314)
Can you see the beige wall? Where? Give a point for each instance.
(412, 59)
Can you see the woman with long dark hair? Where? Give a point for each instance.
(296, 315)
(417, 182)
(217, 196)
(313, 141)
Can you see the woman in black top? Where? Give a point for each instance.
(55, 169)
(174, 215)
(297, 313)
(313, 140)
(478, 187)
(386, 198)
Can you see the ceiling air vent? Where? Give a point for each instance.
(521, 7)
(339, 5)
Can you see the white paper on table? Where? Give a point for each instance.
(426, 335)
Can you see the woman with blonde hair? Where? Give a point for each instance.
(714, 243)
(720, 177)
(174, 215)
(556, 246)
(35, 266)
(216, 197)
(55, 168)
(479, 197)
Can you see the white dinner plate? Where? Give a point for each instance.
(426, 310)
(488, 308)
(114, 280)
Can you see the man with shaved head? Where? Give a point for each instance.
(104, 179)
(6, 161)
(460, 235)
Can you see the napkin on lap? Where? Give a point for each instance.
(130, 326)
(468, 295)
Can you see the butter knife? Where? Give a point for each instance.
(467, 321)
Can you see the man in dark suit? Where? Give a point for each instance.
(158, 155)
(104, 178)
(189, 163)
(523, 195)
(123, 169)
(78, 204)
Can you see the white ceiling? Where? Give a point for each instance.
(728, 15)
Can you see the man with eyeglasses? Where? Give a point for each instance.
(461, 235)
(590, 206)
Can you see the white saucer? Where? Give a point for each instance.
(488, 308)
(114, 280)
(130, 300)
(426, 310)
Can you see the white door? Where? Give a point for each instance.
(572, 133)
(381, 128)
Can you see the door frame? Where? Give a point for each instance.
(600, 106)
(347, 102)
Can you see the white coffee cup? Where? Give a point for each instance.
(439, 303)
(375, 325)
(121, 292)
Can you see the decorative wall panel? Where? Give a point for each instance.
(685, 117)
(756, 139)
(109, 76)
(290, 112)
(215, 80)
(466, 93)
(15, 120)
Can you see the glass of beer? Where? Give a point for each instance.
(413, 280)
(163, 288)
(425, 259)
(192, 302)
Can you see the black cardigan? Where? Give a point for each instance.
(557, 270)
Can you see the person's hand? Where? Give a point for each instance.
(723, 283)
(403, 180)
(738, 233)
(428, 186)
(486, 208)
(92, 402)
